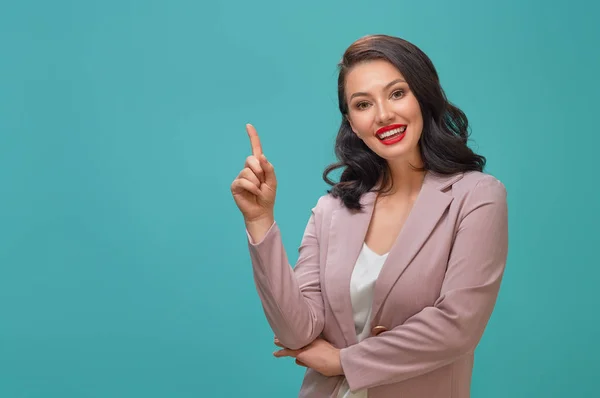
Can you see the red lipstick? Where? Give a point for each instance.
(391, 134)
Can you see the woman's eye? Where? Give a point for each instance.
(362, 105)
(397, 94)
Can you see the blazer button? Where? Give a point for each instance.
(378, 329)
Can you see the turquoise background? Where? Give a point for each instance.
(124, 270)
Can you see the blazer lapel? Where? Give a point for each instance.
(346, 237)
(347, 234)
(429, 207)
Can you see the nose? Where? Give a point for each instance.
(384, 114)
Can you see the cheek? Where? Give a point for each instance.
(412, 110)
(362, 122)
(409, 109)
(418, 116)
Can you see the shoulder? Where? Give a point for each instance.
(482, 194)
(326, 204)
(475, 183)
(322, 211)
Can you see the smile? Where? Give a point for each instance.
(389, 135)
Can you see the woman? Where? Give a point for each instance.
(401, 261)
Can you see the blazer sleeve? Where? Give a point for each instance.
(291, 297)
(454, 325)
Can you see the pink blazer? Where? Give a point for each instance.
(432, 300)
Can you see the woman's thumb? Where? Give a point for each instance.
(269, 171)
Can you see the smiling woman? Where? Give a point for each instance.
(401, 261)
(382, 78)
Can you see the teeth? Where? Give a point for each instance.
(392, 132)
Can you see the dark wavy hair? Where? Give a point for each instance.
(443, 142)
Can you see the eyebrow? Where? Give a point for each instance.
(390, 84)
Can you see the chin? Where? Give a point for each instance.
(398, 151)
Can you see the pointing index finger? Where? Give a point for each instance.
(254, 140)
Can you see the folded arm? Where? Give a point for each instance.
(453, 326)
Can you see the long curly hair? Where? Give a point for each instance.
(443, 142)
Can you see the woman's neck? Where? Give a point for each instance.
(406, 177)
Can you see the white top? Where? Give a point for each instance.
(364, 275)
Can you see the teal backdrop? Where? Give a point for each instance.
(124, 270)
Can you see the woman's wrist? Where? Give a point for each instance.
(257, 229)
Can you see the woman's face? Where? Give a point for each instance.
(382, 110)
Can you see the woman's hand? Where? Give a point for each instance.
(254, 189)
(318, 355)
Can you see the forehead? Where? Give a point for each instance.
(371, 75)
